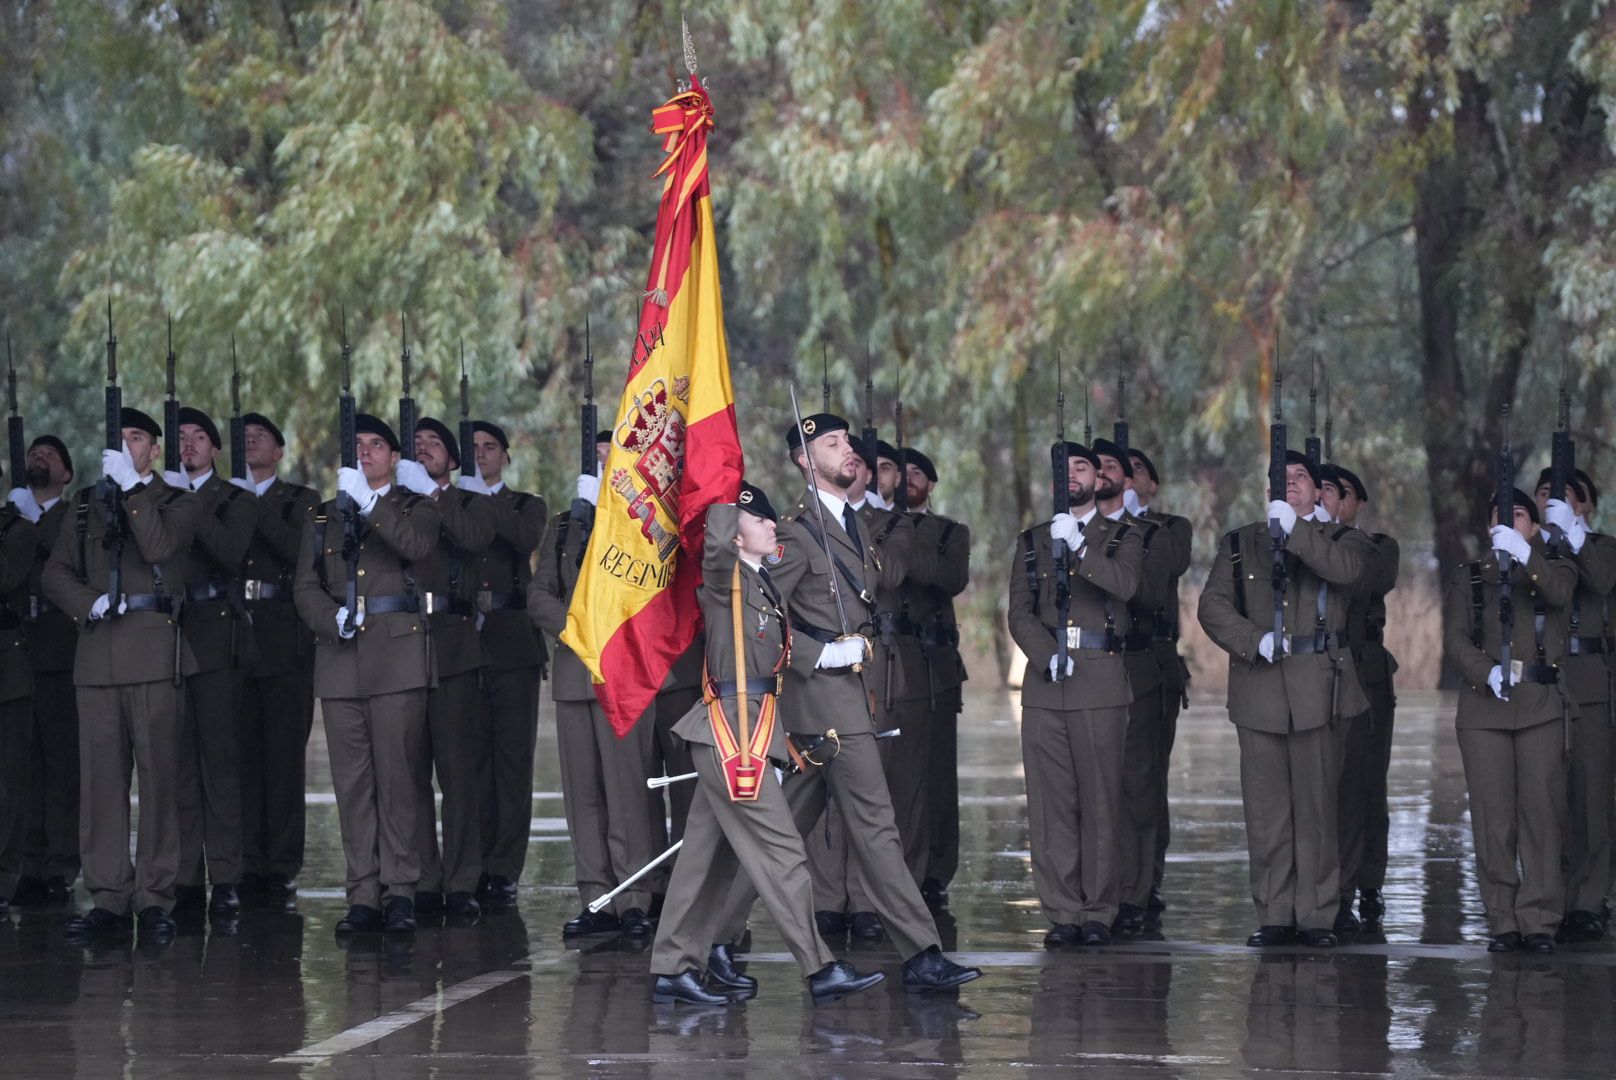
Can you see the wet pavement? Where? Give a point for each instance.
(274, 995)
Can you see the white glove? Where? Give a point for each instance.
(342, 623)
(352, 483)
(473, 484)
(1280, 510)
(119, 467)
(1495, 681)
(26, 504)
(1577, 536)
(177, 479)
(1265, 647)
(841, 654)
(98, 610)
(589, 488)
(479, 620)
(1054, 666)
(412, 476)
(1065, 528)
(1511, 543)
(1558, 512)
(244, 484)
(1130, 502)
(876, 500)
(1322, 513)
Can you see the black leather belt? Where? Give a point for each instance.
(200, 593)
(1079, 638)
(445, 604)
(1585, 646)
(1302, 645)
(265, 590)
(754, 687)
(148, 602)
(1539, 673)
(389, 605)
(823, 636)
(501, 601)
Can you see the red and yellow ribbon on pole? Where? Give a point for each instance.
(675, 447)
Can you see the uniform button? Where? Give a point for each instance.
(361, 573)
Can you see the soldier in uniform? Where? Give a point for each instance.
(828, 711)
(1140, 798)
(372, 668)
(277, 697)
(1585, 675)
(1287, 697)
(1513, 738)
(1074, 722)
(51, 799)
(1175, 674)
(739, 820)
(221, 637)
(515, 656)
(448, 582)
(602, 777)
(669, 807)
(17, 544)
(129, 671)
(841, 901)
(939, 568)
(1363, 818)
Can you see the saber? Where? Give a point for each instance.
(597, 906)
(655, 782)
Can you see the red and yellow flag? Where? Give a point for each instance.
(675, 447)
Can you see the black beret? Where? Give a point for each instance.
(188, 415)
(1144, 459)
(1339, 476)
(441, 430)
(495, 432)
(1296, 457)
(57, 445)
(814, 426)
(267, 424)
(754, 501)
(865, 454)
(1074, 449)
(1579, 480)
(134, 418)
(1112, 450)
(1588, 486)
(914, 457)
(366, 424)
(1523, 500)
(884, 449)
(603, 435)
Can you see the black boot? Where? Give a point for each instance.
(156, 926)
(1266, 936)
(1063, 936)
(361, 919)
(1509, 941)
(637, 923)
(58, 890)
(461, 905)
(99, 923)
(837, 980)
(588, 922)
(1371, 905)
(830, 924)
(1130, 919)
(684, 989)
(1539, 943)
(935, 893)
(226, 901)
(721, 973)
(280, 885)
(1096, 933)
(1345, 921)
(1581, 926)
(931, 971)
(866, 926)
(1319, 938)
(398, 915)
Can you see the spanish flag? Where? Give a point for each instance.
(675, 447)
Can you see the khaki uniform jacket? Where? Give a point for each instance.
(52, 636)
(18, 542)
(139, 646)
(550, 592)
(815, 701)
(1302, 691)
(390, 652)
(1177, 532)
(450, 572)
(1101, 583)
(1366, 617)
(1587, 675)
(767, 632)
(939, 570)
(285, 643)
(1549, 582)
(225, 522)
(510, 640)
(893, 537)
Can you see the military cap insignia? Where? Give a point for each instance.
(745, 498)
(808, 427)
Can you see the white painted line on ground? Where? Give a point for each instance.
(375, 1030)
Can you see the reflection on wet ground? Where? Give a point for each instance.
(273, 994)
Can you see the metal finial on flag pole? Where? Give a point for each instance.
(690, 47)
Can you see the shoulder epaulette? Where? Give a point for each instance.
(410, 500)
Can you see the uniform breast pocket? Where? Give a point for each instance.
(403, 625)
